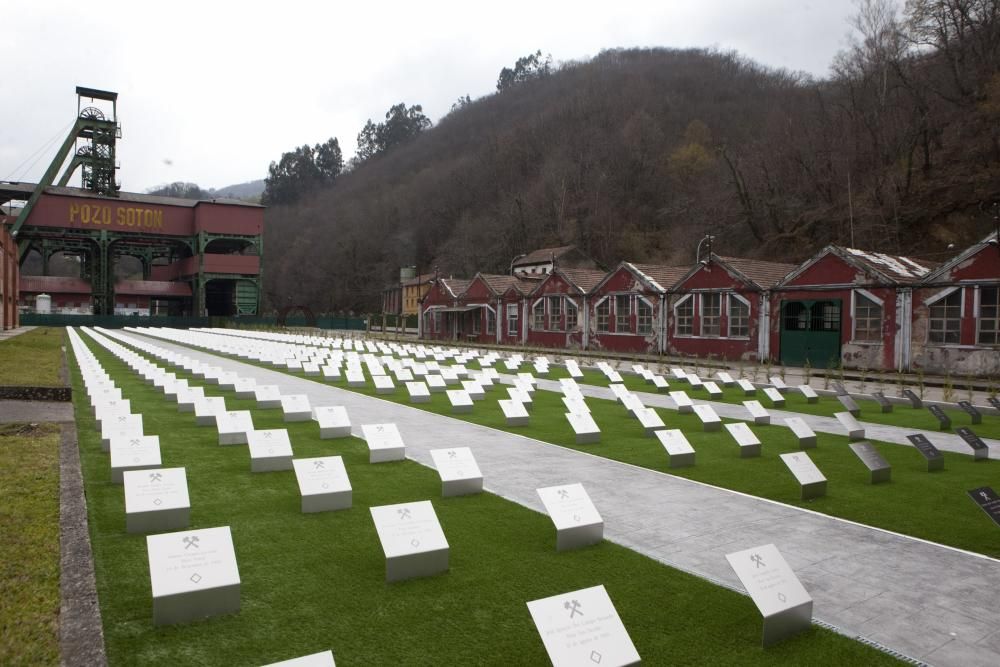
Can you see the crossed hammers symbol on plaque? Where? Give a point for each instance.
(191, 541)
(317, 464)
(155, 476)
(757, 560)
(404, 513)
(573, 606)
(563, 493)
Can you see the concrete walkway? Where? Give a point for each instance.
(35, 412)
(10, 333)
(924, 600)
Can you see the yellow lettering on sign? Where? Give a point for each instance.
(90, 214)
(73, 210)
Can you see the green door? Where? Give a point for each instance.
(810, 331)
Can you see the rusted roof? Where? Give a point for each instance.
(584, 279)
(500, 283)
(663, 277)
(543, 255)
(455, 286)
(54, 284)
(765, 274)
(153, 288)
(896, 267)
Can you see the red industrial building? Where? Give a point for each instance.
(558, 306)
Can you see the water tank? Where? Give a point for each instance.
(407, 273)
(43, 304)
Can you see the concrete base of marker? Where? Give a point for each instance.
(386, 454)
(196, 605)
(578, 537)
(712, 426)
(412, 566)
(327, 502)
(331, 432)
(270, 463)
(787, 623)
(650, 432)
(812, 399)
(881, 475)
(518, 421)
(385, 390)
(461, 409)
(356, 384)
(461, 487)
(158, 521)
(587, 438)
(300, 416)
(807, 443)
(680, 460)
(856, 435)
(763, 419)
(749, 451)
(205, 420)
(269, 404)
(236, 438)
(685, 409)
(813, 490)
(245, 394)
(935, 464)
(420, 399)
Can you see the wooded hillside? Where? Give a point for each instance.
(636, 154)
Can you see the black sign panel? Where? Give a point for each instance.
(994, 401)
(913, 398)
(943, 419)
(971, 439)
(883, 401)
(988, 500)
(839, 388)
(970, 409)
(924, 446)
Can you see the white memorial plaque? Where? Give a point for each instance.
(694, 381)
(569, 388)
(805, 435)
(120, 426)
(193, 575)
(746, 386)
(577, 522)
(583, 628)
(774, 588)
(680, 453)
(855, 431)
(233, 426)
(412, 540)
(206, 410)
(355, 377)
(758, 412)
(613, 376)
(514, 412)
(311, 369)
(774, 396)
(331, 372)
(575, 404)
(333, 421)
(709, 419)
(474, 390)
(267, 396)
(323, 484)
(573, 368)
(296, 408)
(324, 659)
(725, 378)
(778, 384)
(156, 500)
(436, 384)
(809, 393)
(244, 387)
(418, 391)
(270, 450)
(403, 375)
(521, 396)
(460, 401)
(679, 373)
(661, 383)
(620, 391)
(632, 404)
(227, 381)
(584, 427)
(136, 452)
(682, 401)
(459, 471)
(449, 376)
(811, 480)
(713, 390)
(650, 420)
(745, 438)
(383, 384)
(384, 443)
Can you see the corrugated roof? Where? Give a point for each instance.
(664, 276)
(500, 283)
(765, 274)
(543, 255)
(455, 285)
(584, 279)
(895, 267)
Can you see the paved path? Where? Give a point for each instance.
(10, 333)
(933, 603)
(35, 411)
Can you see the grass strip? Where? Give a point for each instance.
(312, 582)
(29, 549)
(32, 359)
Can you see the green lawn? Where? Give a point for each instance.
(931, 506)
(312, 582)
(29, 547)
(33, 358)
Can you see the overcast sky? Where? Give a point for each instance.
(211, 92)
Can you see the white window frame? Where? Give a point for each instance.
(854, 320)
(677, 319)
(534, 314)
(597, 316)
(701, 314)
(729, 318)
(978, 314)
(491, 331)
(652, 316)
(555, 319)
(512, 317)
(477, 323)
(630, 298)
(939, 296)
(569, 303)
